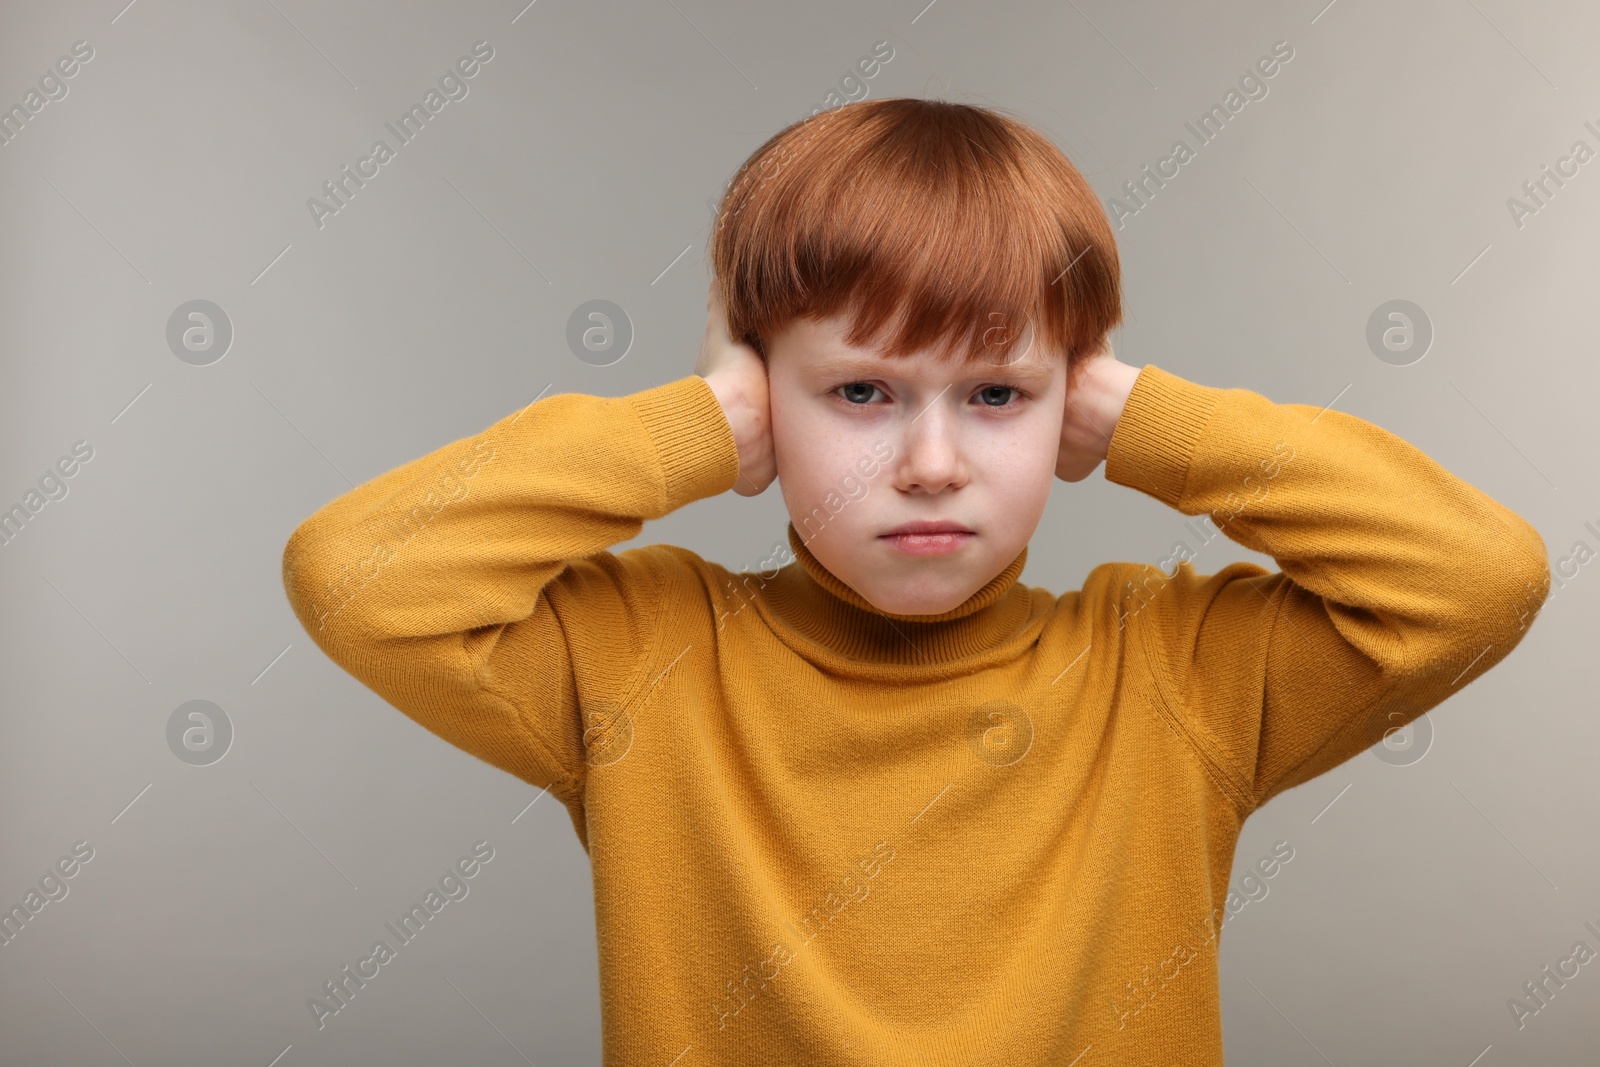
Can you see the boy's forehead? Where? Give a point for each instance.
(821, 348)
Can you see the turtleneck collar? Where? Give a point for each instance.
(839, 625)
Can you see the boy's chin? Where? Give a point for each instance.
(897, 602)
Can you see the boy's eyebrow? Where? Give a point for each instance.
(839, 366)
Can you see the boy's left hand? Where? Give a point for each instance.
(1096, 393)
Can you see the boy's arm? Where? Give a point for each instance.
(1400, 582)
(471, 588)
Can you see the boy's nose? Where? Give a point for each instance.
(931, 457)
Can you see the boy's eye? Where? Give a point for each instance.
(1003, 389)
(853, 387)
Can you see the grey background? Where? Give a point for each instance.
(579, 167)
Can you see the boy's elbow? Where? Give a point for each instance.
(310, 588)
(1510, 586)
(292, 564)
(1477, 605)
(298, 586)
(1524, 565)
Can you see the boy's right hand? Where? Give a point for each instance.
(738, 376)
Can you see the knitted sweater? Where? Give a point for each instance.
(822, 834)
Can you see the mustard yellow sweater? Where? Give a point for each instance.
(824, 835)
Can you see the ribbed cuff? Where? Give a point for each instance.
(693, 438)
(1154, 442)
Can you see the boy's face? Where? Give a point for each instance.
(864, 445)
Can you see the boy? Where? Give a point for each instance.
(885, 805)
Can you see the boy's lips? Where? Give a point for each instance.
(927, 526)
(927, 537)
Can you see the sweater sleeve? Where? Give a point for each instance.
(1399, 583)
(472, 588)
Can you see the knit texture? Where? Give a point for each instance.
(822, 834)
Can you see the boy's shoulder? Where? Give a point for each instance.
(665, 583)
(687, 578)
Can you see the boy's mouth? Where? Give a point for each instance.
(927, 526)
(927, 537)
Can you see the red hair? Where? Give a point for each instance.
(960, 224)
